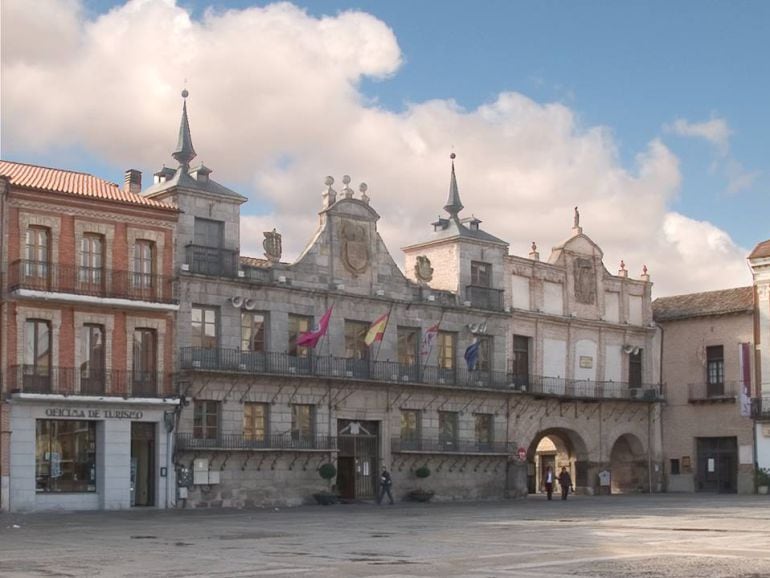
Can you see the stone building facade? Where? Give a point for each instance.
(708, 374)
(86, 342)
(759, 261)
(489, 366)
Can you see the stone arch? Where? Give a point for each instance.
(558, 447)
(629, 468)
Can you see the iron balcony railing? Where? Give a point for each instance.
(91, 281)
(212, 261)
(713, 391)
(272, 363)
(417, 444)
(484, 297)
(188, 441)
(74, 381)
(760, 407)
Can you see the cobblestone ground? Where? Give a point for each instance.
(610, 536)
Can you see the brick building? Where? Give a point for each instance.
(86, 345)
(707, 360)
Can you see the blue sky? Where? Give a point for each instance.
(633, 69)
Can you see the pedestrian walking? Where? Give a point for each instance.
(385, 482)
(548, 482)
(565, 481)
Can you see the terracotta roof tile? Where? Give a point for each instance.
(737, 300)
(72, 183)
(761, 250)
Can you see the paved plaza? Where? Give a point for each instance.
(650, 536)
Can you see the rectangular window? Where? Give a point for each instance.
(204, 327)
(144, 264)
(65, 456)
(408, 343)
(635, 369)
(92, 367)
(355, 347)
(485, 354)
(298, 324)
(255, 421)
(302, 424)
(208, 233)
(447, 345)
(447, 429)
(520, 361)
(715, 370)
(36, 253)
(674, 467)
(91, 260)
(252, 331)
(145, 362)
(481, 274)
(484, 423)
(410, 428)
(37, 355)
(206, 420)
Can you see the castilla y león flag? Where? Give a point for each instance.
(311, 338)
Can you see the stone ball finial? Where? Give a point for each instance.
(346, 180)
(363, 187)
(185, 93)
(453, 156)
(329, 181)
(534, 246)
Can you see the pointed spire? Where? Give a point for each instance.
(184, 152)
(453, 205)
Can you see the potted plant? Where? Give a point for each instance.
(763, 480)
(421, 495)
(327, 497)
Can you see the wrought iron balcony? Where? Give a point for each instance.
(484, 297)
(271, 363)
(212, 261)
(91, 281)
(73, 381)
(724, 391)
(760, 407)
(406, 444)
(188, 441)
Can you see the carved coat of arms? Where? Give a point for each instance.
(355, 247)
(422, 269)
(272, 245)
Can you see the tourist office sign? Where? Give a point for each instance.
(90, 413)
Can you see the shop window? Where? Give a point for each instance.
(65, 452)
(206, 420)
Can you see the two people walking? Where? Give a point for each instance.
(565, 481)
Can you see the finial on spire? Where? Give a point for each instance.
(184, 152)
(453, 205)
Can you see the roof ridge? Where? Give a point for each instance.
(60, 170)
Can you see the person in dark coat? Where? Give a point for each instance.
(385, 482)
(565, 481)
(548, 483)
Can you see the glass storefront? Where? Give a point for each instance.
(65, 456)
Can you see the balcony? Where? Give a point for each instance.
(91, 282)
(187, 441)
(760, 407)
(271, 363)
(484, 297)
(713, 392)
(212, 261)
(73, 381)
(405, 445)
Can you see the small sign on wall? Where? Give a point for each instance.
(586, 362)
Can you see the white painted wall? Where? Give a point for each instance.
(635, 309)
(613, 363)
(763, 444)
(612, 306)
(585, 348)
(554, 365)
(553, 298)
(520, 291)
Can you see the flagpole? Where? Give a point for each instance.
(432, 343)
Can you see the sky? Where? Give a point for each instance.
(653, 117)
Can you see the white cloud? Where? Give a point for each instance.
(716, 131)
(275, 103)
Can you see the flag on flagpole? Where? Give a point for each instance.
(472, 355)
(376, 330)
(427, 340)
(311, 338)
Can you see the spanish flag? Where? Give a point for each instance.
(376, 330)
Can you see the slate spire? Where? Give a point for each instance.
(453, 205)
(184, 152)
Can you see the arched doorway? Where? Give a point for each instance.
(629, 468)
(556, 448)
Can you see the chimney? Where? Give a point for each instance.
(133, 183)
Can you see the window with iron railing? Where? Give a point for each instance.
(37, 354)
(302, 422)
(144, 265)
(145, 361)
(92, 366)
(37, 255)
(448, 426)
(410, 428)
(255, 421)
(253, 331)
(484, 429)
(298, 324)
(447, 347)
(715, 370)
(91, 271)
(206, 419)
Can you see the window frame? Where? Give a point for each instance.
(448, 429)
(199, 338)
(91, 258)
(203, 409)
(298, 324)
(355, 346)
(255, 342)
(408, 345)
(484, 427)
(37, 255)
(144, 264)
(411, 428)
(300, 431)
(446, 342)
(64, 433)
(481, 274)
(251, 428)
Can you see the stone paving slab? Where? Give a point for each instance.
(608, 536)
